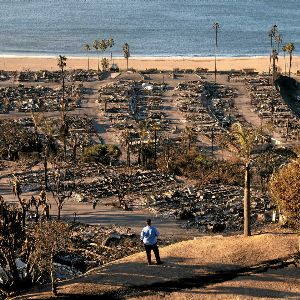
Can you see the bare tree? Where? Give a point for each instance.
(63, 184)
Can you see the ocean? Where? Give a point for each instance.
(151, 28)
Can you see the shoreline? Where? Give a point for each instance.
(258, 63)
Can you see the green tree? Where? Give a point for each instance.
(285, 191)
(110, 44)
(126, 53)
(114, 151)
(104, 64)
(87, 48)
(97, 153)
(290, 48)
(245, 140)
(103, 44)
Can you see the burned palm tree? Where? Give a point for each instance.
(272, 33)
(126, 138)
(216, 27)
(62, 63)
(278, 40)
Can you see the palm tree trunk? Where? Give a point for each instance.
(58, 212)
(247, 231)
(127, 63)
(290, 65)
(88, 63)
(284, 63)
(216, 46)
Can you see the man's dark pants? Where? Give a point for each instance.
(148, 249)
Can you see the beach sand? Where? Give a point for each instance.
(260, 64)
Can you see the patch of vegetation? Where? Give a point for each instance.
(285, 192)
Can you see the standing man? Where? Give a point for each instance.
(149, 236)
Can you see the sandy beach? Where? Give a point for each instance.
(260, 64)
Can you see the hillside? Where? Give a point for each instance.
(196, 265)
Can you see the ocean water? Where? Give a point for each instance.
(150, 27)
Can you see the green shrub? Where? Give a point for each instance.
(97, 153)
(285, 191)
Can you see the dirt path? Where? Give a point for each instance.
(243, 104)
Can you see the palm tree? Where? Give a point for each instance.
(278, 40)
(284, 51)
(110, 44)
(272, 33)
(103, 46)
(64, 126)
(62, 63)
(96, 47)
(290, 47)
(216, 26)
(87, 48)
(246, 139)
(104, 64)
(126, 53)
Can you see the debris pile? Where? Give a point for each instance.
(270, 106)
(215, 208)
(139, 183)
(38, 98)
